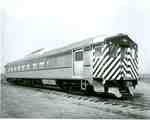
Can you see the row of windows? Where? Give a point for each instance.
(15, 68)
(62, 61)
(113, 51)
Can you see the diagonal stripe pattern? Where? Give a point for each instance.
(113, 68)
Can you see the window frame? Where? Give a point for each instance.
(96, 52)
(113, 50)
(79, 58)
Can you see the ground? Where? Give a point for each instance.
(26, 102)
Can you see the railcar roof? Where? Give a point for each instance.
(74, 45)
(56, 51)
(120, 37)
(79, 44)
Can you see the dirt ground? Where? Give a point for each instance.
(25, 102)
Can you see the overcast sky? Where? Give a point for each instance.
(27, 25)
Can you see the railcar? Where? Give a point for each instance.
(106, 64)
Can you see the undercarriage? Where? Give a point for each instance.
(119, 88)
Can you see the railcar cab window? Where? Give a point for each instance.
(133, 52)
(98, 51)
(79, 56)
(123, 52)
(112, 50)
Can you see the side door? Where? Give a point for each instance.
(78, 62)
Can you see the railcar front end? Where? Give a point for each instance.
(115, 65)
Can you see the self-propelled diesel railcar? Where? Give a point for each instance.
(106, 64)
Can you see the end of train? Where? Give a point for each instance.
(106, 64)
(117, 67)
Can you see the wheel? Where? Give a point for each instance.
(59, 84)
(37, 83)
(90, 89)
(105, 89)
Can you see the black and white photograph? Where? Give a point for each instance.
(75, 59)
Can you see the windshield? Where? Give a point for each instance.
(113, 50)
(98, 51)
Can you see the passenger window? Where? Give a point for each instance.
(14, 69)
(98, 51)
(18, 67)
(23, 66)
(28, 66)
(46, 63)
(79, 56)
(34, 66)
(41, 64)
(9, 69)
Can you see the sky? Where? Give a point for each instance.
(28, 25)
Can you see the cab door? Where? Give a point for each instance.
(78, 62)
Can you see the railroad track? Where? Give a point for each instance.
(132, 106)
(125, 107)
(131, 102)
